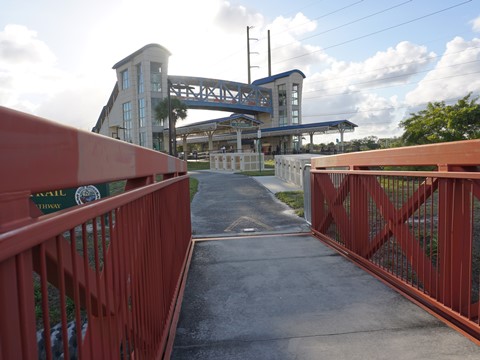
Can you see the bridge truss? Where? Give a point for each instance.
(214, 94)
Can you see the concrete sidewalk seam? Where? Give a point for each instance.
(240, 341)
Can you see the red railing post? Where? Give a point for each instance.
(359, 222)
(454, 244)
(115, 264)
(416, 229)
(317, 198)
(17, 310)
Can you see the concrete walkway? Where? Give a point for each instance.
(228, 204)
(273, 296)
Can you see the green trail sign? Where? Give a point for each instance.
(51, 201)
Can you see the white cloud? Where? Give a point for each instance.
(358, 91)
(20, 46)
(234, 19)
(208, 39)
(476, 24)
(455, 74)
(27, 68)
(31, 81)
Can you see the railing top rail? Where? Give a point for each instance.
(443, 155)
(51, 156)
(35, 231)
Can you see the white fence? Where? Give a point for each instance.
(290, 167)
(237, 161)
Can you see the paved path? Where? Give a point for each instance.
(228, 204)
(289, 297)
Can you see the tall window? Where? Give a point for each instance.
(140, 83)
(295, 117)
(282, 117)
(142, 138)
(282, 95)
(127, 121)
(125, 83)
(295, 94)
(156, 76)
(157, 141)
(154, 103)
(141, 112)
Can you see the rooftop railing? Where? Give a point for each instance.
(411, 216)
(98, 280)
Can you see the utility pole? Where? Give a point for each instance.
(248, 53)
(269, 56)
(171, 123)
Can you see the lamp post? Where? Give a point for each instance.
(259, 136)
(172, 133)
(171, 125)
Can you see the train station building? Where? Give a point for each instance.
(265, 115)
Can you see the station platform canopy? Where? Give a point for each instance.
(222, 127)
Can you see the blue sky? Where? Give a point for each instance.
(368, 61)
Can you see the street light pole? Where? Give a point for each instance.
(259, 136)
(169, 118)
(171, 123)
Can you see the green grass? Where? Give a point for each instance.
(294, 199)
(268, 172)
(198, 165)
(270, 164)
(193, 187)
(117, 187)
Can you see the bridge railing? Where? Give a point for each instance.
(411, 216)
(204, 93)
(105, 275)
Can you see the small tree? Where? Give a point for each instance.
(179, 111)
(442, 123)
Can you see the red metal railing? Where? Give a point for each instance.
(418, 230)
(108, 272)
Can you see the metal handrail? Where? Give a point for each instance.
(108, 272)
(417, 230)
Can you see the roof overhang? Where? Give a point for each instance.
(226, 124)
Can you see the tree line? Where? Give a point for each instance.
(437, 123)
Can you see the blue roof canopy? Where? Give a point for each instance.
(272, 78)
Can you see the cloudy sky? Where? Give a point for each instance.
(371, 62)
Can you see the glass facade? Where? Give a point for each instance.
(140, 82)
(157, 141)
(282, 95)
(125, 81)
(282, 105)
(282, 117)
(156, 76)
(155, 121)
(295, 94)
(141, 112)
(295, 116)
(127, 121)
(142, 138)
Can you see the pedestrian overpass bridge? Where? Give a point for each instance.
(116, 267)
(215, 94)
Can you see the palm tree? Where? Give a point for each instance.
(179, 111)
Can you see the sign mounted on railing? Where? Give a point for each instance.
(51, 201)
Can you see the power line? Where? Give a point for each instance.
(386, 108)
(377, 32)
(427, 58)
(315, 19)
(306, 6)
(346, 24)
(393, 77)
